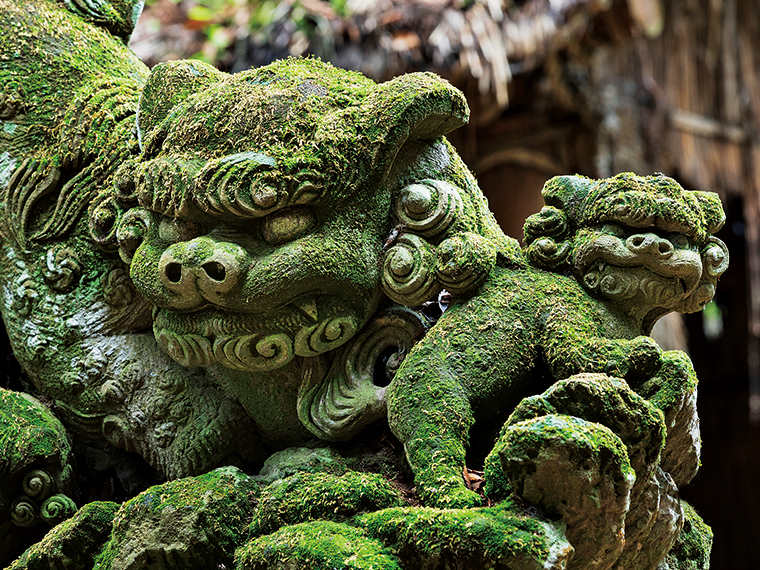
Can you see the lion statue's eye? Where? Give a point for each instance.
(287, 224)
(174, 230)
(680, 241)
(614, 230)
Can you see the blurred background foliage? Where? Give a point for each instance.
(210, 30)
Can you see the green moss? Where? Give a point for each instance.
(497, 486)
(497, 537)
(194, 521)
(311, 496)
(692, 548)
(29, 433)
(529, 443)
(73, 543)
(315, 546)
(51, 53)
(641, 200)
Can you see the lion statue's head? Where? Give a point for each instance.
(644, 243)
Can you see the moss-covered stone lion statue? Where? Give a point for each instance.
(266, 321)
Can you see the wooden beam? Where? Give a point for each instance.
(700, 125)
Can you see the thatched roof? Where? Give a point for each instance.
(479, 45)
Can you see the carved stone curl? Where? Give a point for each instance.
(252, 352)
(351, 395)
(132, 229)
(464, 262)
(409, 271)
(428, 207)
(57, 508)
(63, 269)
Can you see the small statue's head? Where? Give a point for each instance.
(261, 200)
(643, 243)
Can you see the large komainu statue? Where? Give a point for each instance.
(316, 262)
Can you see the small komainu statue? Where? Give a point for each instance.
(242, 280)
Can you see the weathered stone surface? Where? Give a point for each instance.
(692, 549)
(35, 472)
(196, 522)
(578, 471)
(313, 496)
(72, 544)
(301, 459)
(502, 537)
(319, 545)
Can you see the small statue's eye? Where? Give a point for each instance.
(174, 230)
(613, 230)
(680, 241)
(287, 224)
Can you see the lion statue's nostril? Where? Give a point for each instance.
(649, 243)
(664, 247)
(215, 270)
(173, 272)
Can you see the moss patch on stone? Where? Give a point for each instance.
(312, 496)
(29, 433)
(196, 522)
(498, 537)
(320, 545)
(73, 543)
(692, 548)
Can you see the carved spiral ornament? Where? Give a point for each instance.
(550, 221)
(546, 236)
(254, 352)
(104, 217)
(38, 484)
(547, 253)
(464, 262)
(132, 229)
(62, 269)
(24, 512)
(124, 186)
(612, 282)
(25, 296)
(337, 405)
(324, 336)
(409, 271)
(57, 508)
(429, 207)
(239, 184)
(715, 257)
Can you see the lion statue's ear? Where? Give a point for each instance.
(712, 210)
(416, 106)
(170, 84)
(117, 16)
(567, 193)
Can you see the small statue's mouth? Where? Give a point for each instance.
(600, 256)
(602, 267)
(650, 288)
